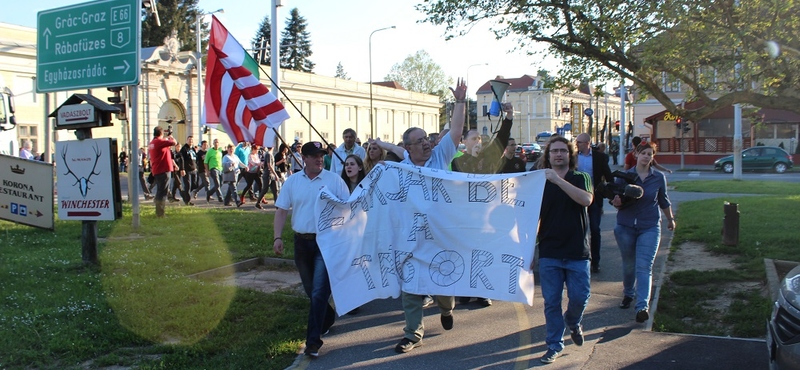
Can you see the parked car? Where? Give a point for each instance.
(532, 151)
(758, 158)
(783, 328)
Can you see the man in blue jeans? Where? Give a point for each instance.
(564, 245)
(300, 192)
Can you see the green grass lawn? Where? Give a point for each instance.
(768, 229)
(139, 307)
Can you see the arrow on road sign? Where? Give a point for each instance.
(46, 35)
(126, 67)
(38, 214)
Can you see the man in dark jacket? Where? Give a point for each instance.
(189, 170)
(594, 163)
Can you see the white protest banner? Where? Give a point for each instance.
(427, 231)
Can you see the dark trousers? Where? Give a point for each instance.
(595, 211)
(314, 276)
(176, 185)
(189, 180)
(267, 184)
(202, 182)
(143, 183)
(162, 179)
(250, 178)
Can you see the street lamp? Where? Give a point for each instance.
(371, 124)
(469, 127)
(200, 66)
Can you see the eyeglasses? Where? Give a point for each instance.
(421, 141)
(556, 151)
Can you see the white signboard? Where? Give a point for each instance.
(75, 114)
(26, 192)
(425, 231)
(85, 180)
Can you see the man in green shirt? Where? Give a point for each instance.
(214, 165)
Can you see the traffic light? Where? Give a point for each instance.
(118, 101)
(680, 125)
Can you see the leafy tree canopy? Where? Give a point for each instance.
(418, 72)
(179, 15)
(721, 51)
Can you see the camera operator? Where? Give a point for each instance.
(638, 230)
(161, 166)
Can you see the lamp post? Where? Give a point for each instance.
(469, 127)
(200, 67)
(371, 123)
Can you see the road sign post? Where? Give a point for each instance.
(93, 44)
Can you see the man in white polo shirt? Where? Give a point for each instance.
(349, 147)
(299, 193)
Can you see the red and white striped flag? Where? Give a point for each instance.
(235, 98)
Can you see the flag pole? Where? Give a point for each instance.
(275, 85)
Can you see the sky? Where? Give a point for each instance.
(339, 32)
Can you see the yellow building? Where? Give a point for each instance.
(538, 110)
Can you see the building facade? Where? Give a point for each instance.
(537, 110)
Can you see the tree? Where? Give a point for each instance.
(340, 73)
(723, 51)
(261, 42)
(178, 15)
(296, 44)
(418, 72)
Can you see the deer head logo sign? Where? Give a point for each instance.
(83, 182)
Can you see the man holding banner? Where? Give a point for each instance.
(300, 193)
(420, 153)
(564, 244)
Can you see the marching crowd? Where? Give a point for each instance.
(568, 242)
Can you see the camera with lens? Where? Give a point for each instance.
(168, 131)
(627, 192)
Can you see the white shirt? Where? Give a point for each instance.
(441, 155)
(336, 165)
(300, 194)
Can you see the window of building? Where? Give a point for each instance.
(485, 110)
(325, 135)
(299, 135)
(28, 132)
(386, 138)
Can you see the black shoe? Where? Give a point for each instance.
(550, 356)
(258, 205)
(194, 194)
(577, 336)
(447, 322)
(485, 302)
(464, 300)
(220, 200)
(148, 197)
(239, 204)
(407, 345)
(189, 203)
(642, 316)
(312, 351)
(208, 198)
(595, 269)
(626, 302)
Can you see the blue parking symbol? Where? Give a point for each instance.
(23, 210)
(14, 208)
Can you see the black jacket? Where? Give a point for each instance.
(189, 158)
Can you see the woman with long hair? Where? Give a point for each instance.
(374, 155)
(638, 230)
(353, 171)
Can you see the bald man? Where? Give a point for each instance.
(595, 163)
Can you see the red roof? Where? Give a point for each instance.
(520, 83)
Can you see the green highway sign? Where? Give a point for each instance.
(93, 44)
